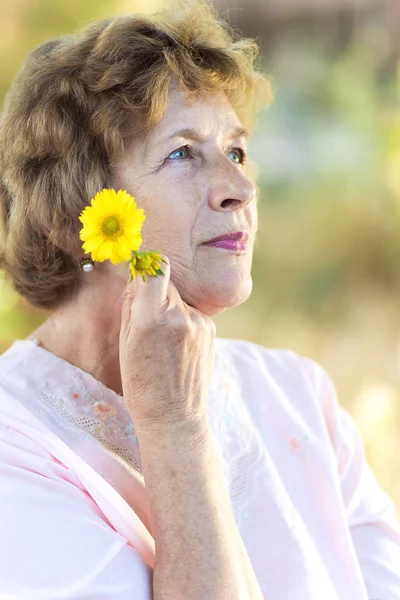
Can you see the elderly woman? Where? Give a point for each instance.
(141, 457)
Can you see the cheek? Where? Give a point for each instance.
(171, 213)
(167, 227)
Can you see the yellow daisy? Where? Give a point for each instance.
(111, 226)
(146, 262)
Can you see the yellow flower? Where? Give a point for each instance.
(146, 262)
(111, 226)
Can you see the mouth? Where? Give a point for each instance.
(237, 241)
(236, 236)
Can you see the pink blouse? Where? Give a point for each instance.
(74, 513)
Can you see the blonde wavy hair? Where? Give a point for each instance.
(75, 105)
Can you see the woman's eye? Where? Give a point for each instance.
(184, 150)
(239, 154)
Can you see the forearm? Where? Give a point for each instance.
(200, 554)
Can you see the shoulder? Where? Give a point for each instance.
(23, 437)
(279, 381)
(9, 360)
(282, 365)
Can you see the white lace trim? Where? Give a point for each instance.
(112, 428)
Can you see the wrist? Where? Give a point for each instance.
(193, 433)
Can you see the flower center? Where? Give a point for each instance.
(110, 225)
(142, 262)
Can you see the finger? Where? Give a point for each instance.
(126, 300)
(155, 289)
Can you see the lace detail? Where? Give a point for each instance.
(107, 423)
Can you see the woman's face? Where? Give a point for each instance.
(187, 175)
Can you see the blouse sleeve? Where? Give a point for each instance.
(374, 528)
(55, 541)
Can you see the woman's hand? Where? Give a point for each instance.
(166, 351)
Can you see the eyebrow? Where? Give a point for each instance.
(189, 133)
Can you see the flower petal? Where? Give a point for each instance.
(103, 252)
(115, 246)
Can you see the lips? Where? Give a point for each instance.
(236, 236)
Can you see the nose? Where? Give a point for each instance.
(229, 188)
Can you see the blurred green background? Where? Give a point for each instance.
(327, 261)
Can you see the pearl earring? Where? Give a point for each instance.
(86, 265)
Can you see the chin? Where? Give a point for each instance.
(217, 299)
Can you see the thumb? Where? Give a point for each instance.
(155, 289)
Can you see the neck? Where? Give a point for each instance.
(86, 333)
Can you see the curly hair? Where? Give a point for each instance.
(74, 106)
